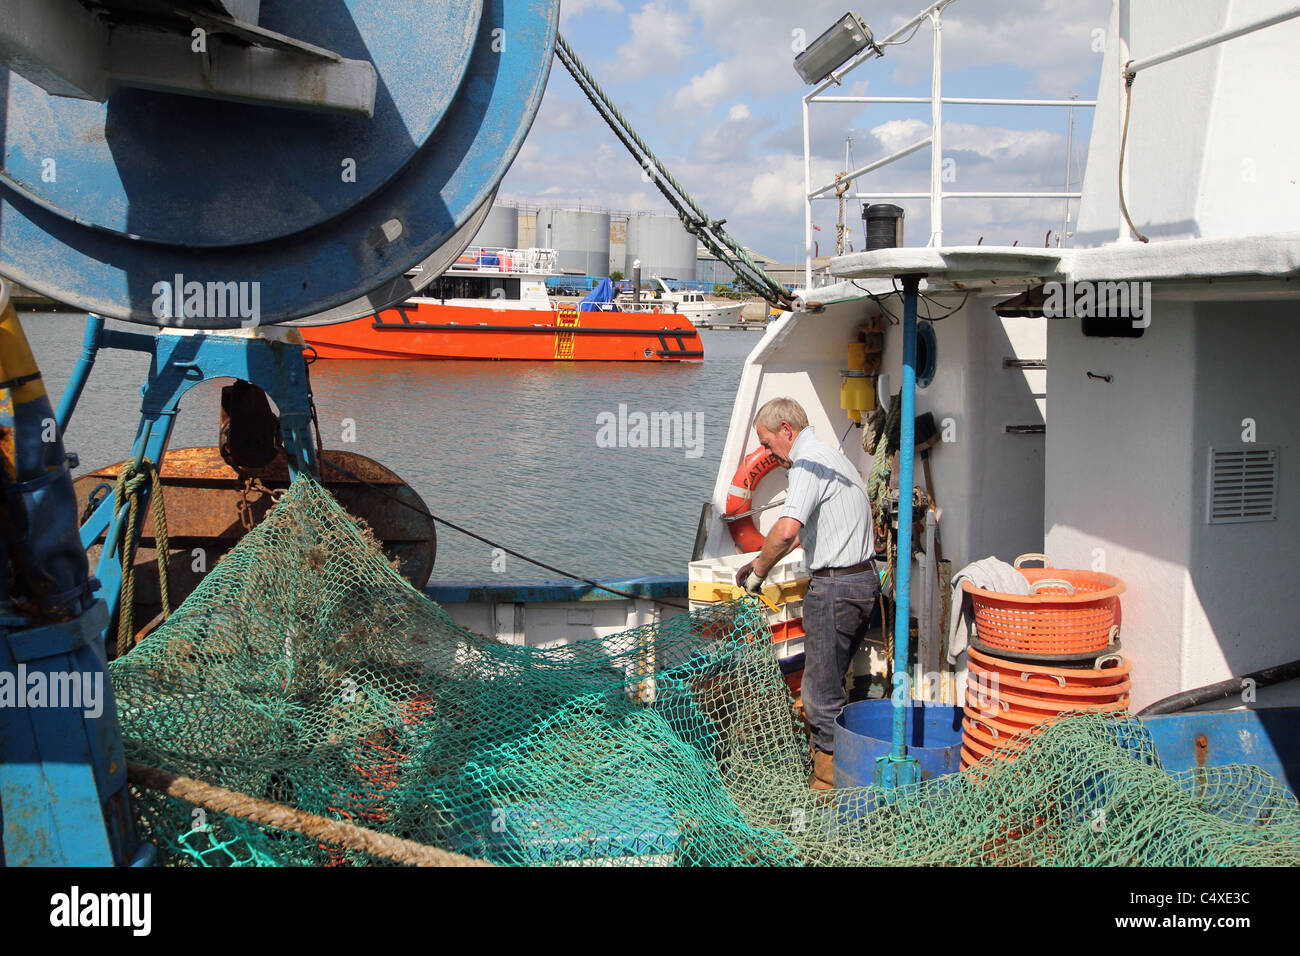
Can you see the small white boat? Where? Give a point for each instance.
(702, 312)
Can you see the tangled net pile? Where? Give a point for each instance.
(304, 670)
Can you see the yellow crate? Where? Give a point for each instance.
(713, 580)
(773, 595)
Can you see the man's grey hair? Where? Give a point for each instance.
(779, 410)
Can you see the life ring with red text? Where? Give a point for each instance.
(751, 471)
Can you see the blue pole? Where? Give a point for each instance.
(80, 372)
(898, 768)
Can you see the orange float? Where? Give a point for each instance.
(751, 471)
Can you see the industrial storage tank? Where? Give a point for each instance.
(662, 244)
(617, 243)
(579, 237)
(500, 230)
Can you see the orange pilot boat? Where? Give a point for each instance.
(493, 304)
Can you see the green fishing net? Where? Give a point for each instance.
(305, 671)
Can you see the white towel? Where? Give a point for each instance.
(987, 574)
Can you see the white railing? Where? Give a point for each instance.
(934, 141)
(1133, 67)
(937, 194)
(499, 260)
(628, 306)
(1129, 69)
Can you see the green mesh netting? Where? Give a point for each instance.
(304, 670)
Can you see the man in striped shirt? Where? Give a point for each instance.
(827, 511)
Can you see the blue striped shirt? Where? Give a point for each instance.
(828, 497)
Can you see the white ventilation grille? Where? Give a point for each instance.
(1243, 484)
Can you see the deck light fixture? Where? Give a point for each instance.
(846, 39)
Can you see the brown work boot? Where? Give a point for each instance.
(823, 775)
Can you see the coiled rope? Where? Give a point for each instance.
(130, 481)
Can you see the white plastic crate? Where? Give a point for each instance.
(714, 579)
(788, 570)
(792, 647)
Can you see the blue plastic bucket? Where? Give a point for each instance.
(864, 731)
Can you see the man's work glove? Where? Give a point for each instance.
(754, 584)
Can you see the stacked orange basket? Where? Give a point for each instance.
(1006, 698)
(1038, 656)
(1068, 614)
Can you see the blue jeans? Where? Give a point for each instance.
(836, 611)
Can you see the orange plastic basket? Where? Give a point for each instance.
(1039, 676)
(1069, 613)
(999, 710)
(979, 735)
(1005, 698)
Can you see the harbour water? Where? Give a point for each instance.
(550, 459)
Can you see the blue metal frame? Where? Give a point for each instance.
(179, 362)
(63, 788)
(898, 769)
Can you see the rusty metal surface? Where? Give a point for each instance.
(207, 499)
(205, 464)
(210, 507)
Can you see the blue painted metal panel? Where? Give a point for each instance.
(63, 789)
(539, 592)
(199, 172)
(359, 248)
(1268, 738)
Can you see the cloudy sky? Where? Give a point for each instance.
(710, 86)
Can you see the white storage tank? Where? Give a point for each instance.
(500, 230)
(527, 230)
(579, 237)
(662, 244)
(617, 244)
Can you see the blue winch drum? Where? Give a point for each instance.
(864, 731)
(317, 212)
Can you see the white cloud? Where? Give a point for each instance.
(705, 90)
(576, 8)
(734, 140)
(1051, 39)
(659, 38)
(776, 187)
(1008, 147)
(894, 135)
